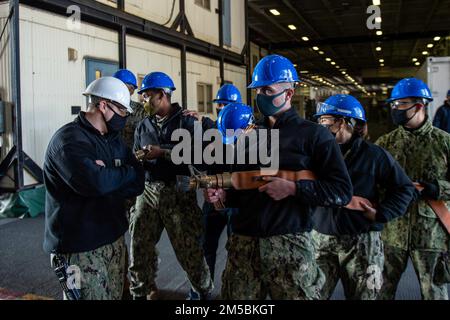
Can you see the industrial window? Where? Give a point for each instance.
(204, 98)
(204, 3)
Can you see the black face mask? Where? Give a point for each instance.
(400, 118)
(116, 123)
(329, 126)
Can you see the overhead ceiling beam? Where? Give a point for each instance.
(327, 5)
(301, 18)
(311, 29)
(260, 33)
(397, 21)
(425, 26)
(361, 39)
(263, 15)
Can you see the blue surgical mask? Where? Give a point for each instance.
(266, 106)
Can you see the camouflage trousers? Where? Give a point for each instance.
(424, 262)
(162, 207)
(280, 266)
(129, 203)
(102, 271)
(356, 260)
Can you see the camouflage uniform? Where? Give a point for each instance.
(133, 120)
(281, 266)
(424, 154)
(159, 207)
(102, 271)
(356, 259)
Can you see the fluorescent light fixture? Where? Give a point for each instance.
(337, 67)
(275, 12)
(417, 63)
(378, 48)
(305, 38)
(382, 65)
(414, 59)
(315, 48)
(437, 38)
(321, 52)
(425, 53)
(430, 45)
(333, 63)
(292, 27)
(381, 60)
(376, 2)
(379, 33)
(378, 20)
(328, 59)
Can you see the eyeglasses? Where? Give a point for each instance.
(322, 120)
(398, 104)
(122, 111)
(146, 97)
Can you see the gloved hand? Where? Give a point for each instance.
(430, 190)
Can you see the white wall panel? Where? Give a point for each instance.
(204, 23)
(154, 10)
(144, 57)
(207, 71)
(237, 25)
(237, 75)
(204, 70)
(50, 83)
(112, 3)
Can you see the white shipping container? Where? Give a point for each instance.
(436, 73)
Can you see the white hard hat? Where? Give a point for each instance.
(112, 89)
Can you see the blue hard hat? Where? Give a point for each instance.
(234, 116)
(273, 69)
(126, 76)
(228, 94)
(410, 88)
(448, 93)
(342, 105)
(157, 80)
